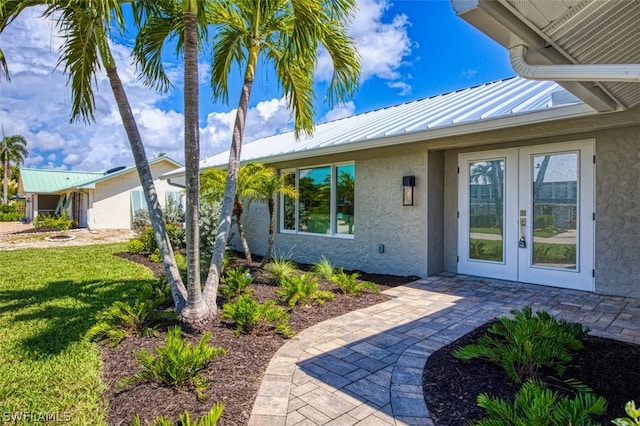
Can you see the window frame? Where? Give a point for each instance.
(332, 201)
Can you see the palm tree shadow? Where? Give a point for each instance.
(66, 308)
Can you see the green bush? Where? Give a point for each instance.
(177, 236)
(281, 268)
(350, 285)
(135, 246)
(155, 256)
(543, 221)
(140, 317)
(9, 208)
(632, 412)
(209, 218)
(302, 290)
(10, 217)
(536, 405)
(524, 344)
(252, 317)
(178, 363)
(59, 221)
(235, 282)
(211, 419)
(323, 269)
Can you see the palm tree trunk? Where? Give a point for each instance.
(272, 228)
(219, 247)
(237, 211)
(178, 290)
(196, 309)
(5, 182)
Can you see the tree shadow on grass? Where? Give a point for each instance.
(63, 311)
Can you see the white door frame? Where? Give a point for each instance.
(517, 264)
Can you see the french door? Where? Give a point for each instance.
(526, 214)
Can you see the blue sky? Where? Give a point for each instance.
(410, 49)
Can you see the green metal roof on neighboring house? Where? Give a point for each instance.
(44, 181)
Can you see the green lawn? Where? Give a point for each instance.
(48, 298)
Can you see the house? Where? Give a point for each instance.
(524, 180)
(97, 200)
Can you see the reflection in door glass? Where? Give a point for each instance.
(486, 210)
(555, 208)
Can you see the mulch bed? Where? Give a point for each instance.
(610, 367)
(234, 379)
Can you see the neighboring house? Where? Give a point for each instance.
(527, 181)
(97, 200)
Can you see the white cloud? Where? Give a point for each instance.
(340, 111)
(468, 74)
(383, 46)
(405, 89)
(36, 103)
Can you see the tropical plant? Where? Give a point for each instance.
(526, 343)
(57, 221)
(255, 318)
(286, 35)
(13, 149)
(140, 317)
(85, 27)
(178, 364)
(281, 268)
(135, 246)
(632, 412)
(235, 282)
(302, 290)
(323, 268)
(536, 405)
(209, 214)
(350, 285)
(211, 419)
(268, 186)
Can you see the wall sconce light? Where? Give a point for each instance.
(408, 183)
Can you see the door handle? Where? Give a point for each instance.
(522, 242)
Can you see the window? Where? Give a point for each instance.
(138, 201)
(326, 202)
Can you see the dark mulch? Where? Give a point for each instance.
(610, 367)
(233, 379)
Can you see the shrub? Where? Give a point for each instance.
(181, 261)
(135, 246)
(10, 217)
(59, 221)
(350, 285)
(235, 282)
(141, 220)
(281, 268)
(209, 217)
(302, 290)
(252, 317)
(140, 317)
(148, 239)
(524, 344)
(177, 236)
(211, 419)
(178, 364)
(632, 412)
(536, 405)
(323, 268)
(155, 256)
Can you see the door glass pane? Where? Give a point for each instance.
(314, 203)
(555, 210)
(486, 210)
(345, 200)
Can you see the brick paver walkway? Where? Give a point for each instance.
(365, 367)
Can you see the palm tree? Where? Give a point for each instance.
(4, 70)
(270, 185)
(185, 19)
(85, 26)
(12, 149)
(286, 35)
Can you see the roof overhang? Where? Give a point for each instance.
(572, 32)
(511, 121)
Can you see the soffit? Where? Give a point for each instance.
(588, 32)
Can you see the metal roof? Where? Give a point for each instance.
(49, 181)
(567, 32)
(52, 181)
(514, 100)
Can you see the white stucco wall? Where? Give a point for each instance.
(380, 218)
(112, 198)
